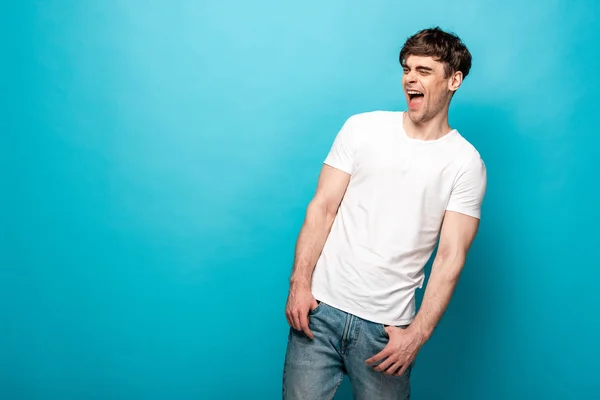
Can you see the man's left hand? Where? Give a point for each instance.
(400, 352)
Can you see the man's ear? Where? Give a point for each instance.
(455, 81)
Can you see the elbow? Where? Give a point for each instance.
(318, 213)
(450, 262)
(448, 253)
(452, 251)
(329, 217)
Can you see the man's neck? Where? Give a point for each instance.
(431, 130)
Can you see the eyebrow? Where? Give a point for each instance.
(420, 68)
(423, 68)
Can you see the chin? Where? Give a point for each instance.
(416, 116)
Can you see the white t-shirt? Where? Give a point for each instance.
(389, 220)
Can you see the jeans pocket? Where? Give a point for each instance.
(384, 332)
(316, 309)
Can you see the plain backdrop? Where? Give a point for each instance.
(157, 157)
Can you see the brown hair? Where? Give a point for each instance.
(442, 46)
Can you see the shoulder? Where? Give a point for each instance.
(471, 172)
(468, 166)
(370, 125)
(466, 154)
(371, 119)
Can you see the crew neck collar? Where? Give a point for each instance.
(451, 133)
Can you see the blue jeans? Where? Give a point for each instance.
(314, 368)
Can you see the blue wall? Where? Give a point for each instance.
(157, 158)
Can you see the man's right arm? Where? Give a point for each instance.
(320, 214)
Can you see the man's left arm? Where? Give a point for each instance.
(456, 236)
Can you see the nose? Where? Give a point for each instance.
(411, 77)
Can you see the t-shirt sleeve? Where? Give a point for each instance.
(341, 153)
(469, 189)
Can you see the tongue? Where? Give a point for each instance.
(415, 102)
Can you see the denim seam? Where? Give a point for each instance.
(345, 332)
(337, 386)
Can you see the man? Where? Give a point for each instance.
(393, 185)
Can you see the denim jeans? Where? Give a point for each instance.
(314, 368)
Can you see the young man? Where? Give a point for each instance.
(392, 186)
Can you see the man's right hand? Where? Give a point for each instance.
(299, 303)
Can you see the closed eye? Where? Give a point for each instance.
(421, 69)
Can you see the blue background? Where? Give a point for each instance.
(157, 158)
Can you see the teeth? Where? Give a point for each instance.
(413, 92)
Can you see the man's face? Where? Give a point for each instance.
(426, 87)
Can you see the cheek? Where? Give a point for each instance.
(437, 91)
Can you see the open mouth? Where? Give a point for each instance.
(415, 98)
(413, 94)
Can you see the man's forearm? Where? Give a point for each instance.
(311, 241)
(445, 273)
